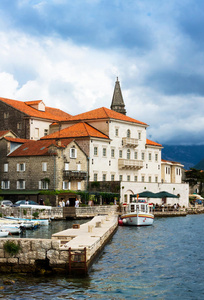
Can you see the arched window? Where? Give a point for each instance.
(128, 133)
(128, 153)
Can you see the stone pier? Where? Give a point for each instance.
(69, 251)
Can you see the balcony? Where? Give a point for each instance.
(129, 164)
(130, 142)
(74, 175)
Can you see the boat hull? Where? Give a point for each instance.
(137, 219)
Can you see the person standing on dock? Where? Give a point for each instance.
(77, 203)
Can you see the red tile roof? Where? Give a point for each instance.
(103, 113)
(16, 140)
(81, 129)
(3, 132)
(172, 162)
(49, 113)
(149, 142)
(37, 148)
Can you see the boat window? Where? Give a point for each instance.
(143, 207)
(137, 207)
(132, 208)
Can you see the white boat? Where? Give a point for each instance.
(4, 233)
(11, 228)
(37, 221)
(137, 214)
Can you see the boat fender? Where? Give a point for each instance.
(120, 222)
(124, 221)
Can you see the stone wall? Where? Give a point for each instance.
(36, 255)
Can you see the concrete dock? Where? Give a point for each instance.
(70, 251)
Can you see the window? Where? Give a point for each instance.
(128, 133)
(78, 167)
(121, 177)
(158, 167)
(150, 179)
(79, 185)
(36, 132)
(112, 177)
(6, 115)
(128, 177)
(44, 167)
(43, 185)
(73, 152)
(21, 184)
(150, 156)
(104, 177)
(112, 153)
(66, 185)
(139, 135)
(104, 152)
(135, 155)
(120, 153)
(168, 170)
(21, 167)
(6, 167)
(128, 153)
(143, 178)
(156, 179)
(156, 157)
(116, 132)
(95, 177)
(5, 185)
(66, 166)
(146, 166)
(45, 131)
(19, 125)
(143, 156)
(135, 178)
(95, 151)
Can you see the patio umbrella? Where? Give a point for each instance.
(165, 194)
(145, 194)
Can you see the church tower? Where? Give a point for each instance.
(117, 101)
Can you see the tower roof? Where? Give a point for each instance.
(117, 100)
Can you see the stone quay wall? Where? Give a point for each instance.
(57, 212)
(35, 255)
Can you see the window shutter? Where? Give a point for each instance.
(17, 185)
(24, 184)
(69, 185)
(8, 184)
(18, 167)
(24, 166)
(79, 185)
(2, 185)
(40, 184)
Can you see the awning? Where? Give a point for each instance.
(145, 194)
(165, 194)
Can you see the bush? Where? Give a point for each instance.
(36, 215)
(11, 248)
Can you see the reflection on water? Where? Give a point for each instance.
(163, 261)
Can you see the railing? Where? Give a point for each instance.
(74, 174)
(130, 164)
(130, 142)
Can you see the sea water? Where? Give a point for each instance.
(163, 261)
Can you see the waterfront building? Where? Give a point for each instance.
(29, 119)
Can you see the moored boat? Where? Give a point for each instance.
(138, 213)
(4, 233)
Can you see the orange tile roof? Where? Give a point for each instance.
(172, 162)
(149, 142)
(3, 132)
(77, 130)
(49, 113)
(37, 148)
(104, 113)
(16, 140)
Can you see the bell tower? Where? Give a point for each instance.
(117, 100)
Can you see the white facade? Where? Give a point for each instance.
(39, 128)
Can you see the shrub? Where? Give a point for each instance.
(11, 248)
(35, 214)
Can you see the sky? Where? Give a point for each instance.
(69, 54)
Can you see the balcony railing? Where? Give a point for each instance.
(81, 175)
(130, 142)
(130, 164)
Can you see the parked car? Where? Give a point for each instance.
(19, 202)
(4, 203)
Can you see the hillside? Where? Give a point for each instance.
(189, 156)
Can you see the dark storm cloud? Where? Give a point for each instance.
(100, 23)
(175, 83)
